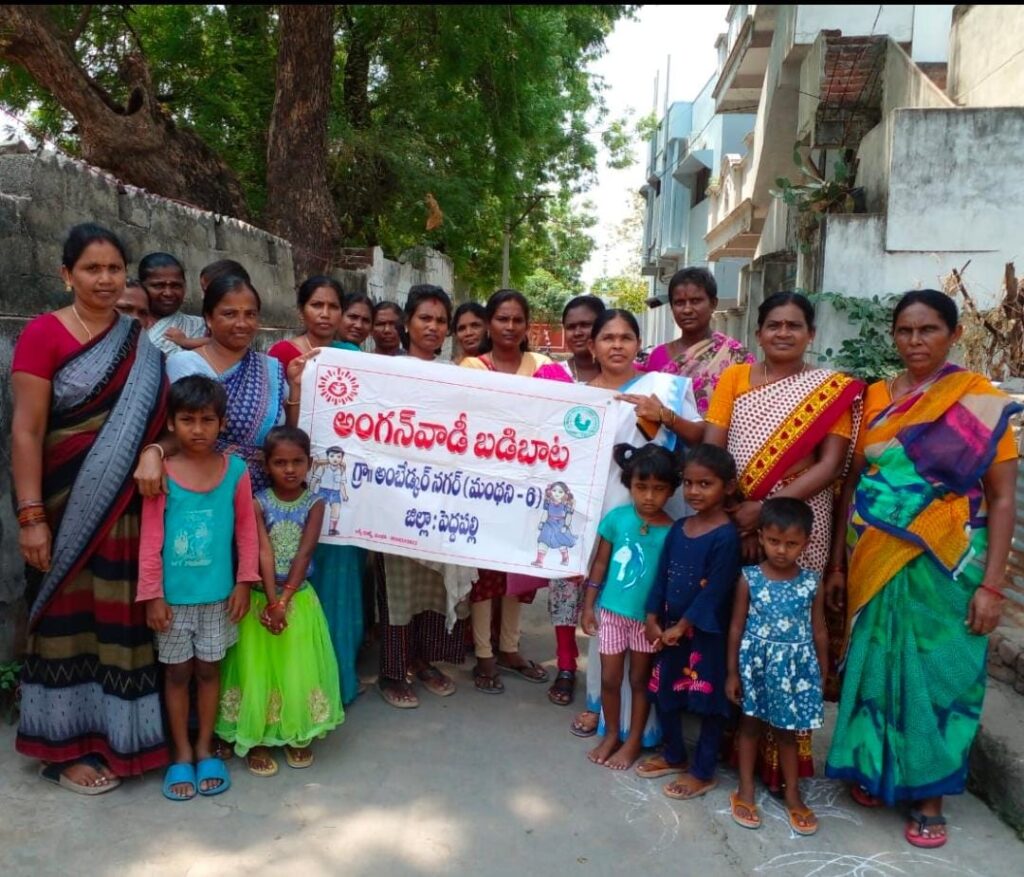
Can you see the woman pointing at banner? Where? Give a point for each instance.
(412, 599)
(508, 322)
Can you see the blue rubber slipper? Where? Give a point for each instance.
(212, 769)
(179, 773)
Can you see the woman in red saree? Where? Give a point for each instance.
(89, 392)
(790, 429)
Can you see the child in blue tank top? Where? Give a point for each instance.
(194, 597)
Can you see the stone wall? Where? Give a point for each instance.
(1006, 656)
(42, 195)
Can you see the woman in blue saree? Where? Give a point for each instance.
(260, 393)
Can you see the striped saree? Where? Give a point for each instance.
(90, 681)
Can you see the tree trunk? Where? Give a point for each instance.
(299, 203)
(356, 80)
(139, 143)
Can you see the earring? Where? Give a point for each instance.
(67, 287)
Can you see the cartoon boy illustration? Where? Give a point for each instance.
(556, 517)
(328, 480)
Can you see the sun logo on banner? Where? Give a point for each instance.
(338, 386)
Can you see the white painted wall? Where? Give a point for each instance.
(857, 263)
(954, 183)
(986, 64)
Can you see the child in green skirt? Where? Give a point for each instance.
(280, 682)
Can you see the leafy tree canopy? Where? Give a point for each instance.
(487, 108)
(623, 291)
(547, 295)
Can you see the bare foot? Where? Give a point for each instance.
(625, 756)
(608, 746)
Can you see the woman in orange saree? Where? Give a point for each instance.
(790, 428)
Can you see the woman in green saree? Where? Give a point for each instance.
(933, 512)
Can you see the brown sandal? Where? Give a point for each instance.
(436, 682)
(398, 694)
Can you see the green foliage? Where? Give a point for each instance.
(870, 354)
(816, 197)
(622, 291)
(486, 107)
(10, 692)
(212, 68)
(547, 295)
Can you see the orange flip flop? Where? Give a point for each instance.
(806, 814)
(676, 790)
(753, 820)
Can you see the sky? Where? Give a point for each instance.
(638, 52)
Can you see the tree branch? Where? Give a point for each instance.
(83, 20)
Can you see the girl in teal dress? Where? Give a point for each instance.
(280, 682)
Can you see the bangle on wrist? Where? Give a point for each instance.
(590, 583)
(30, 504)
(159, 448)
(992, 589)
(832, 569)
(31, 516)
(290, 402)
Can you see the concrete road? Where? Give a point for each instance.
(466, 785)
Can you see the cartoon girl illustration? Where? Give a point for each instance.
(556, 517)
(327, 479)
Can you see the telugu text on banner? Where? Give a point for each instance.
(458, 466)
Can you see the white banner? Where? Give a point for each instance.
(459, 466)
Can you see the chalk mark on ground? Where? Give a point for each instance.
(824, 863)
(641, 797)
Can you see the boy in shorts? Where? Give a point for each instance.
(194, 598)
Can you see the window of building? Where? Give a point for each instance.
(700, 185)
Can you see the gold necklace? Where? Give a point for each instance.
(764, 366)
(81, 322)
(304, 338)
(913, 387)
(204, 352)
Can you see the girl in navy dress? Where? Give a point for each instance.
(688, 613)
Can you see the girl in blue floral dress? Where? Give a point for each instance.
(280, 682)
(778, 656)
